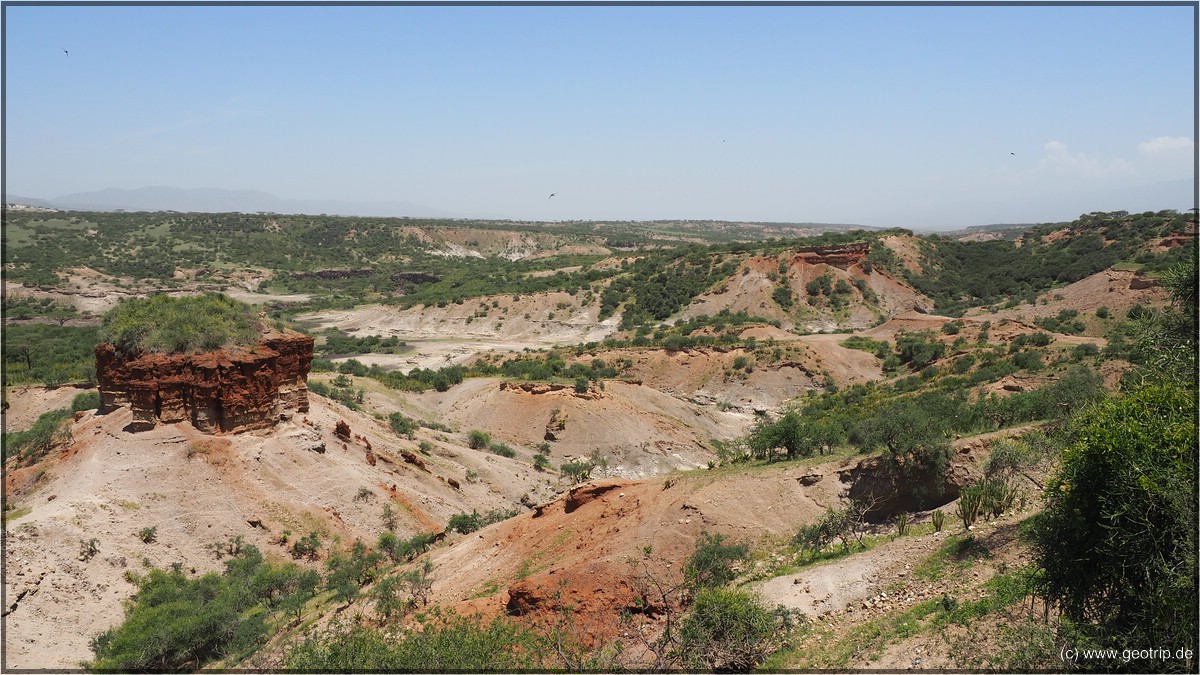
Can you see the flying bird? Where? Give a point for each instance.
(552, 194)
(1012, 153)
(66, 52)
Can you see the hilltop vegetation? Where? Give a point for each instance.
(154, 245)
(962, 274)
(175, 325)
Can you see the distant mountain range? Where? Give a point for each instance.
(214, 200)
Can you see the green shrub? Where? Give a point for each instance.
(178, 623)
(402, 425)
(306, 547)
(1117, 539)
(832, 526)
(502, 449)
(880, 348)
(729, 631)
(50, 430)
(350, 572)
(89, 400)
(797, 434)
(163, 323)
(919, 350)
(712, 562)
(353, 367)
(467, 523)
(446, 642)
(782, 295)
(577, 470)
(1028, 360)
(478, 440)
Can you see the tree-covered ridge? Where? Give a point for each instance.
(163, 323)
(152, 245)
(961, 274)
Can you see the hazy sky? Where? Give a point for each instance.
(927, 117)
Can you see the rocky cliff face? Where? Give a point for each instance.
(841, 257)
(226, 390)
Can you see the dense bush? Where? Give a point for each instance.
(729, 631)
(163, 323)
(50, 354)
(478, 440)
(502, 449)
(86, 401)
(466, 523)
(711, 564)
(961, 274)
(337, 343)
(880, 348)
(1117, 541)
(919, 350)
(349, 572)
(446, 642)
(404, 550)
(797, 434)
(913, 432)
(51, 429)
(179, 623)
(402, 425)
(842, 525)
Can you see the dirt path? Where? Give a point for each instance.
(842, 584)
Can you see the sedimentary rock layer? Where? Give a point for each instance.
(225, 390)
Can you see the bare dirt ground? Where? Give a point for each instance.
(1114, 289)
(27, 403)
(540, 318)
(641, 431)
(109, 484)
(752, 291)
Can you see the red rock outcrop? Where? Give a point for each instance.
(841, 257)
(226, 390)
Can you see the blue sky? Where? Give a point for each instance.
(924, 117)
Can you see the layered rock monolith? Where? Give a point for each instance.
(225, 390)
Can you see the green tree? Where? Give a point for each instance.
(1117, 540)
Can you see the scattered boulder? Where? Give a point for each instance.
(410, 458)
